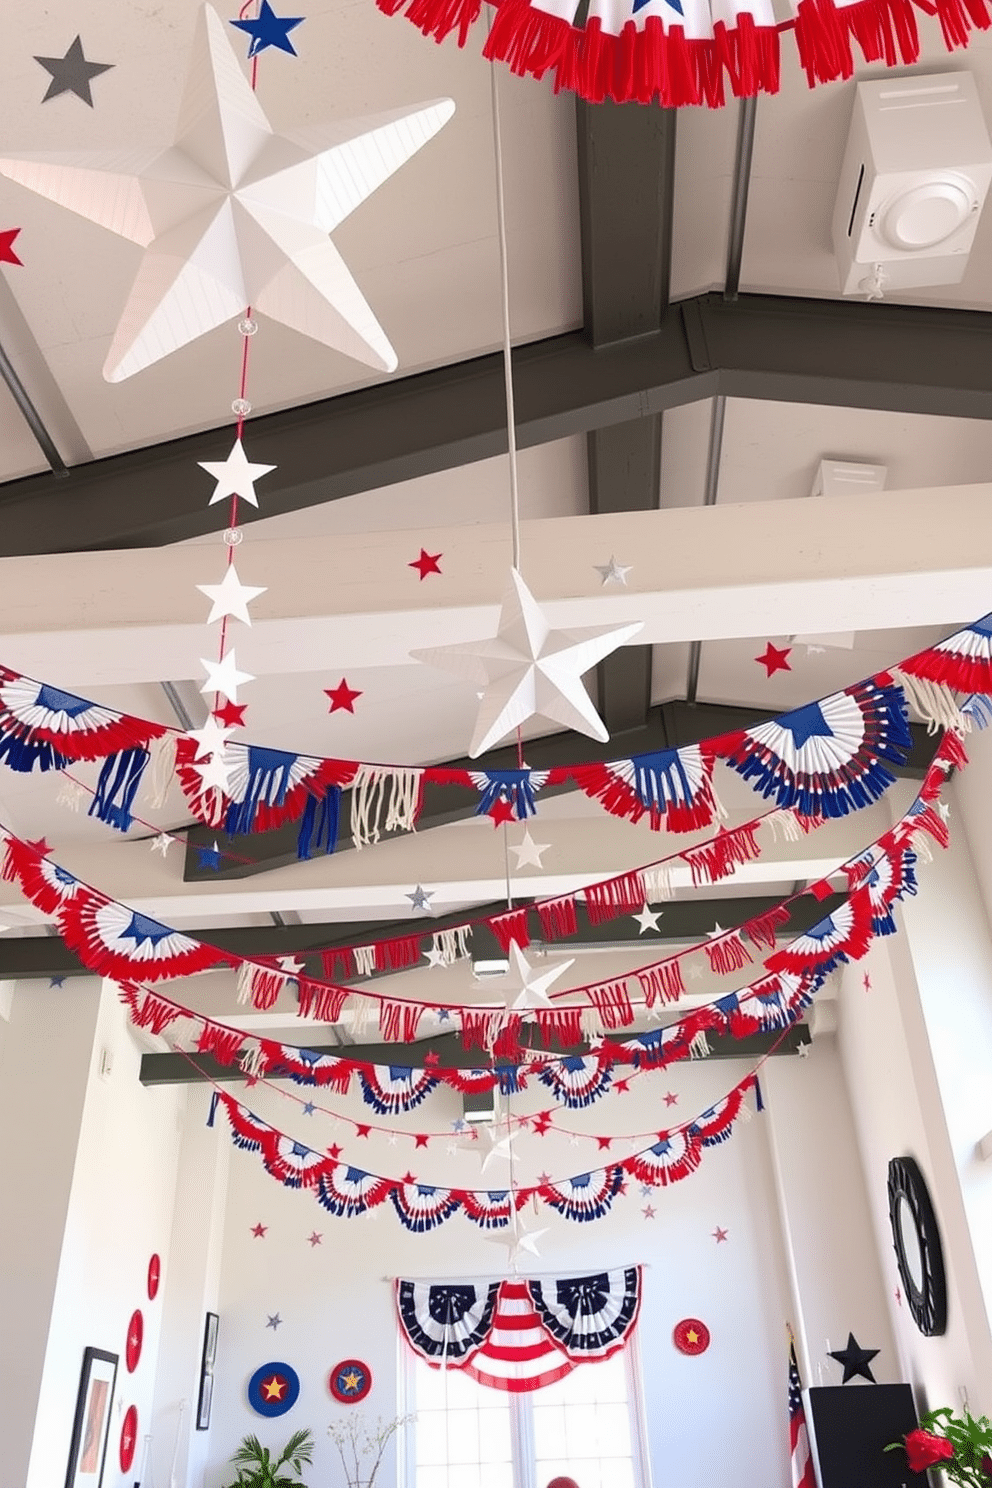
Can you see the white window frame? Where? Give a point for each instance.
(521, 1421)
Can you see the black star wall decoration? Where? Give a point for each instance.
(855, 1359)
(72, 73)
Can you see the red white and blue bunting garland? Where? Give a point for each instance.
(828, 758)
(520, 1335)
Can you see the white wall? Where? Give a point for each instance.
(119, 1211)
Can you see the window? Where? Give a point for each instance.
(587, 1427)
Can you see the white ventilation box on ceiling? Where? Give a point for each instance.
(915, 175)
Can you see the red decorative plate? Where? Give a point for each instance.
(350, 1381)
(135, 1337)
(129, 1438)
(690, 1336)
(154, 1275)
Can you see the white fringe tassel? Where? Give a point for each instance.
(934, 702)
(383, 800)
(452, 945)
(658, 883)
(163, 766)
(364, 1017)
(364, 960)
(252, 1060)
(700, 1047)
(784, 822)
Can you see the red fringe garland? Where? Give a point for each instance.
(335, 957)
(562, 1026)
(506, 1044)
(951, 751)
(399, 1021)
(264, 986)
(530, 41)
(323, 1003)
(147, 1009)
(510, 926)
(558, 917)
(612, 1003)
(437, 18)
(885, 30)
(398, 954)
(717, 859)
(761, 930)
(942, 665)
(479, 1029)
(225, 1044)
(661, 983)
(617, 798)
(749, 54)
(727, 954)
(614, 897)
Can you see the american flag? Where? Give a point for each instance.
(799, 1454)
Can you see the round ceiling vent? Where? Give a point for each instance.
(920, 217)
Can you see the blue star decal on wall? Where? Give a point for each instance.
(56, 981)
(806, 723)
(140, 928)
(269, 30)
(309, 1108)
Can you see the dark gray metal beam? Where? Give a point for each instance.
(909, 359)
(191, 1069)
(683, 920)
(669, 726)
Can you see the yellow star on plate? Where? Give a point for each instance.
(692, 1336)
(273, 1388)
(350, 1381)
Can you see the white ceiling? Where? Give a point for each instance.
(424, 252)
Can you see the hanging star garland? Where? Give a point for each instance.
(230, 597)
(235, 476)
(231, 214)
(529, 670)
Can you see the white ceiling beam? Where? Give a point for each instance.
(904, 558)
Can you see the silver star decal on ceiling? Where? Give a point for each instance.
(72, 73)
(528, 852)
(613, 572)
(231, 214)
(421, 899)
(528, 670)
(275, 1321)
(648, 919)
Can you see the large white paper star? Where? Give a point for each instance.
(531, 985)
(517, 1239)
(530, 670)
(230, 597)
(233, 214)
(235, 476)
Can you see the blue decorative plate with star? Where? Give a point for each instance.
(274, 1389)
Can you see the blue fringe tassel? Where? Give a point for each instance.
(758, 1098)
(514, 786)
(979, 708)
(269, 780)
(117, 787)
(319, 823)
(22, 754)
(213, 1108)
(660, 779)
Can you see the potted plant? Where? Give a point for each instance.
(958, 1446)
(257, 1468)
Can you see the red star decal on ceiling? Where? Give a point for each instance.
(671, 1099)
(342, 697)
(719, 1235)
(41, 847)
(427, 563)
(603, 1143)
(542, 1122)
(334, 1151)
(232, 715)
(544, 1179)
(621, 1087)
(259, 1230)
(7, 254)
(502, 812)
(774, 659)
(431, 1058)
(362, 1131)
(408, 1177)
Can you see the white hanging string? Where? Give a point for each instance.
(511, 428)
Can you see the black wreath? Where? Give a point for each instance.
(927, 1302)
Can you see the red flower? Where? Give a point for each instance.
(923, 1449)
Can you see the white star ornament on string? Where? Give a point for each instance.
(528, 852)
(223, 677)
(230, 597)
(528, 670)
(235, 476)
(233, 214)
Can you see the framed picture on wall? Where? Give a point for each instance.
(207, 1360)
(91, 1426)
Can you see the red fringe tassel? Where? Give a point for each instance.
(662, 983)
(437, 18)
(510, 926)
(616, 896)
(727, 954)
(558, 917)
(320, 1002)
(761, 930)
